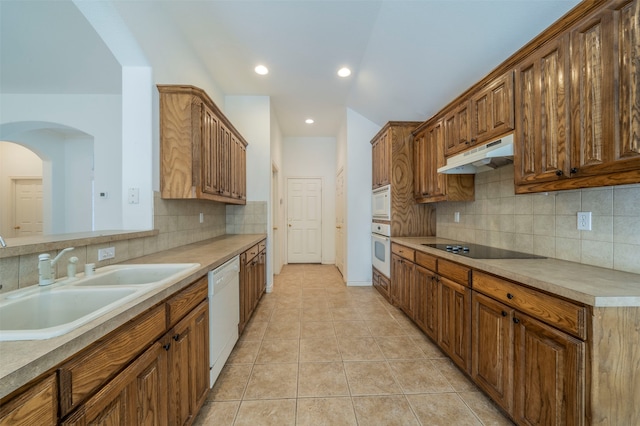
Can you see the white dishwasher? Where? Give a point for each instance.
(224, 314)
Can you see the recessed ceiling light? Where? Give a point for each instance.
(344, 72)
(261, 69)
(309, 121)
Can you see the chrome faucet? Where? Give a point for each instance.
(2, 243)
(46, 270)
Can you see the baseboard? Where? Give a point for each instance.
(359, 284)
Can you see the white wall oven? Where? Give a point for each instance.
(381, 248)
(381, 203)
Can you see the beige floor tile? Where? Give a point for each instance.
(217, 414)
(442, 409)
(325, 412)
(279, 412)
(282, 314)
(351, 329)
(375, 315)
(231, 382)
(316, 329)
(485, 409)
(384, 410)
(319, 350)
(254, 330)
(401, 347)
(316, 314)
(359, 349)
(419, 377)
(371, 378)
(278, 350)
(345, 314)
(457, 379)
(244, 352)
(322, 379)
(385, 328)
(282, 330)
(270, 381)
(429, 348)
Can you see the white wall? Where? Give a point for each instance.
(315, 157)
(276, 207)
(357, 167)
(98, 117)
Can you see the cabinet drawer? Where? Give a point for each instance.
(262, 245)
(181, 304)
(454, 271)
(86, 372)
(403, 251)
(426, 260)
(557, 312)
(252, 252)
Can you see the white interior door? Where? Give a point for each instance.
(275, 214)
(27, 202)
(304, 220)
(340, 221)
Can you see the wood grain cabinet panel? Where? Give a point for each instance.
(457, 129)
(454, 335)
(38, 404)
(253, 281)
(492, 110)
(549, 375)
(393, 164)
(381, 283)
(402, 277)
(185, 301)
(202, 156)
(429, 185)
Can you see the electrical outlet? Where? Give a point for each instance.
(106, 253)
(456, 217)
(201, 217)
(584, 221)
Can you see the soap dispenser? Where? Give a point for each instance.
(45, 275)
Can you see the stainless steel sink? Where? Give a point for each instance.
(42, 312)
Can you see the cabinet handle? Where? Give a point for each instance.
(473, 140)
(516, 320)
(504, 313)
(466, 142)
(166, 346)
(176, 337)
(509, 296)
(573, 170)
(559, 173)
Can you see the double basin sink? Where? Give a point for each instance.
(42, 312)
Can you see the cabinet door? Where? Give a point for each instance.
(402, 275)
(188, 365)
(420, 297)
(436, 181)
(432, 318)
(375, 164)
(421, 166)
(210, 152)
(136, 396)
(224, 160)
(606, 123)
(37, 405)
(457, 129)
(492, 350)
(543, 111)
(455, 322)
(385, 157)
(492, 109)
(549, 375)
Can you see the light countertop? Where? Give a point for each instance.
(23, 361)
(590, 285)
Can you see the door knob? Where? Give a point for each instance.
(16, 227)
(289, 225)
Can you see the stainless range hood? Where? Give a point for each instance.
(489, 156)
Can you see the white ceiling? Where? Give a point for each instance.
(409, 58)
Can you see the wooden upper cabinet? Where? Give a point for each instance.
(381, 158)
(429, 185)
(543, 114)
(492, 110)
(606, 126)
(202, 156)
(457, 129)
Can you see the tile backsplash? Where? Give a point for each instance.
(178, 223)
(546, 223)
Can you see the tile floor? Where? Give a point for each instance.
(319, 353)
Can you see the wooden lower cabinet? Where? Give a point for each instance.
(402, 278)
(253, 281)
(421, 297)
(455, 322)
(36, 405)
(381, 283)
(188, 358)
(136, 396)
(535, 372)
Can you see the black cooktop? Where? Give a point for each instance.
(476, 251)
